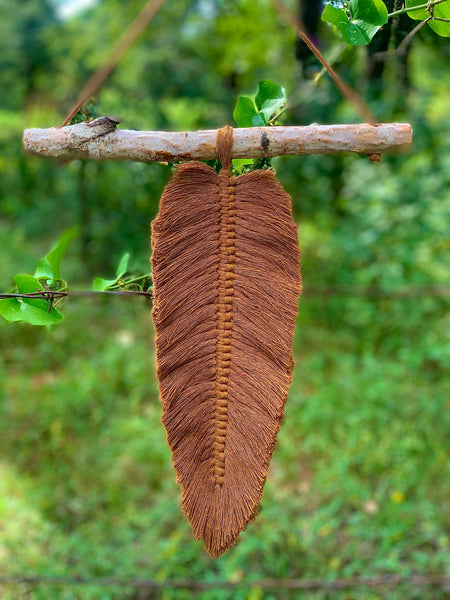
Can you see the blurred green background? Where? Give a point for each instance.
(359, 482)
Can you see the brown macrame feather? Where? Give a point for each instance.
(226, 282)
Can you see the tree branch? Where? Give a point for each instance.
(84, 141)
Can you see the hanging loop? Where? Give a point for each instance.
(224, 144)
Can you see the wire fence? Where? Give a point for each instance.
(436, 581)
(309, 291)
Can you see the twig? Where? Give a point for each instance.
(131, 34)
(80, 141)
(439, 581)
(408, 39)
(401, 48)
(409, 9)
(348, 92)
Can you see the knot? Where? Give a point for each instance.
(224, 145)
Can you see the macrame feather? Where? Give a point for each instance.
(226, 282)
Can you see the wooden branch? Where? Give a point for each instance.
(101, 141)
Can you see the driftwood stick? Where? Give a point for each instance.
(102, 141)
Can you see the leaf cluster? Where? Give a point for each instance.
(47, 278)
(260, 110)
(359, 20)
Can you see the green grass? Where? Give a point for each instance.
(359, 482)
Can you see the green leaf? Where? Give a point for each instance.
(336, 16)
(10, 309)
(367, 18)
(239, 163)
(270, 97)
(49, 266)
(123, 265)
(419, 15)
(370, 12)
(246, 115)
(32, 310)
(27, 284)
(441, 11)
(361, 32)
(102, 285)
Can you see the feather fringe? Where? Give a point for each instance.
(226, 276)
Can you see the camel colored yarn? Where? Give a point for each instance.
(226, 283)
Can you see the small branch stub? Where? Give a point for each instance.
(103, 141)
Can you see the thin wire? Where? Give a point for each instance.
(377, 292)
(53, 294)
(337, 290)
(191, 584)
